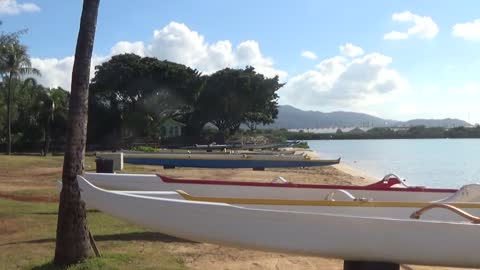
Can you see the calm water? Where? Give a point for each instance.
(430, 162)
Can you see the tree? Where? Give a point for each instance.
(130, 96)
(73, 237)
(46, 110)
(59, 117)
(232, 97)
(39, 117)
(26, 95)
(14, 63)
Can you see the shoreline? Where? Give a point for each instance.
(345, 168)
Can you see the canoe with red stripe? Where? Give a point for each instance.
(400, 240)
(384, 190)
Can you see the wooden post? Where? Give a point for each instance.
(93, 244)
(358, 265)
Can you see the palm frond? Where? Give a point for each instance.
(29, 71)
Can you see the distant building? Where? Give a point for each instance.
(331, 130)
(171, 128)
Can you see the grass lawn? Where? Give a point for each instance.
(28, 216)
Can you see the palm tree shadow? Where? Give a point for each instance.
(56, 212)
(141, 236)
(133, 236)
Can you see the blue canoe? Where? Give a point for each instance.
(226, 161)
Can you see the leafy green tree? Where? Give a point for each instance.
(25, 120)
(14, 64)
(59, 117)
(232, 97)
(39, 116)
(131, 95)
(52, 108)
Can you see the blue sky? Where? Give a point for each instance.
(429, 68)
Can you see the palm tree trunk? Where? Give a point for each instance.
(9, 114)
(73, 243)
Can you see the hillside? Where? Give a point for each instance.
(292, 118)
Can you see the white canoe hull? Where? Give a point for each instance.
(397, 210)
(151, 182)
(327, 235)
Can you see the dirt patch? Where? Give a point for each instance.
(319, 175)
(32, 173)
(28, 198)
(8, 226)
(197, 256)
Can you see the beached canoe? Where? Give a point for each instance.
(467, 198)
(386, 189)
(172, 160)
(220, 152)
(243, 146)
(355, 238)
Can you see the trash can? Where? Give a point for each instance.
(104, 165)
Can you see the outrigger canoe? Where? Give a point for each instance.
(386, 189)
(465, 200)
(348, 237)
(172, 160)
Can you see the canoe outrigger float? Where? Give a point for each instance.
(386, 189)
(353, 237)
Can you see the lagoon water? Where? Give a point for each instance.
(427, 162)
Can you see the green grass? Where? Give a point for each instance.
(15, 208)
(15, 161)
(26, 161)
(41, 192)
(112, 262)
(109, 261)
(27, 229)
(28, 235)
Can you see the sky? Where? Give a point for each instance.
(393, 59)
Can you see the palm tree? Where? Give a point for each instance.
(73, 237)
(14, 63)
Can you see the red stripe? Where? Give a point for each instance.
(375, 186)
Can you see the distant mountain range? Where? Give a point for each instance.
(292, 118)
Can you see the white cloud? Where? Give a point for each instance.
(55, 72)
(395, 35)
(468, 30)
(351, 50)
(58, 72)
(424, 27)
(177, 43)
(174, 42)
(309, 55)
(128, 47)
(350, 84)
(248, 53)
(11, 7)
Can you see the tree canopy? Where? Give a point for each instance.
(232, 97)
(134, 95)
(130, 96)
(14, 66)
